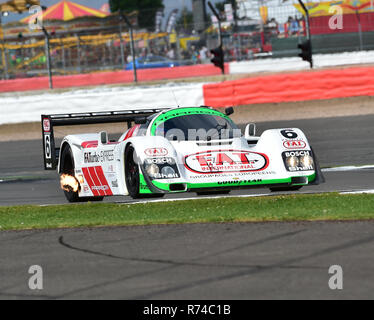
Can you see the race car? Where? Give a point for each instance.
(175, 150)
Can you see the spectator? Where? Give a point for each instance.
(171, 54)
(204, 55)
(293, 27)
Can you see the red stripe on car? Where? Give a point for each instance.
(97, 184)
(89, 144)
(130, 133)
(88, 178)
(103, 180)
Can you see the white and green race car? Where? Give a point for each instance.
(176, 150)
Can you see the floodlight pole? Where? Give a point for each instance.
(48, 54)
(219, 23)
(307, 22)
(219, 30)
(132, 46)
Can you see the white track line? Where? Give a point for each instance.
(347, 168)
(358, 192)
(189, 199)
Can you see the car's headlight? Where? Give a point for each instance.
(298, 160)
(152, 170)
(161, 168)
(168, 172)
(293, 161)
(306, 161)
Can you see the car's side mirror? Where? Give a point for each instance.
(250, 131)
(104, 137)
(229, 111)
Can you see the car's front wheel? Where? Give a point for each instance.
(132, 176)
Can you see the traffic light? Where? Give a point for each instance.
(306, 52)
(219, 58)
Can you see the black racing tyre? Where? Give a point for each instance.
(283, 189)
(132, 175)
(67, 167)
(213, 193)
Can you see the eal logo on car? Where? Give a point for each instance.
(226, 161)
(156, 152)
(294, 144)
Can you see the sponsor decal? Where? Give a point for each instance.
(95, 157)
(294, 144)
(226, 161)
(115, 184)
(160, 161)
(297, 153)
(86, 189)
(100, 188)
(156, 152)
(229, 183)
(46, 125)
(47, 143)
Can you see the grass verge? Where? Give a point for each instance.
(277, 208)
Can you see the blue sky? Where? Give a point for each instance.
(169, 5)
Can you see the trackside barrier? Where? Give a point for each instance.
(104, 78)
(300, 86)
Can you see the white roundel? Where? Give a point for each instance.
(223, 161)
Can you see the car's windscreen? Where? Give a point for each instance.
(198, 127)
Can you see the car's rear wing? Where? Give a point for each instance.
(51, 153)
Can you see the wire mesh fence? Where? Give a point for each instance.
(275, 31)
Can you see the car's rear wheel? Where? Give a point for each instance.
(285, 189)
(67, 167)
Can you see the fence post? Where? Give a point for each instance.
(63, 56)
(122, 46)
(4, 56)
(360, 30)
(79, 54)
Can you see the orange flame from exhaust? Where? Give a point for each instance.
(69, 183)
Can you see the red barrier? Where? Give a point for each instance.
(301, 86)
(95, 79)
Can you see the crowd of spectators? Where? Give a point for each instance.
(292, 27)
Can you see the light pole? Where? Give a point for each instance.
(132, 46)
(48, 55)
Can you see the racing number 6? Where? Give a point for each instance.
(289, 134)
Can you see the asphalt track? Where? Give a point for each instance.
(209, 261)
